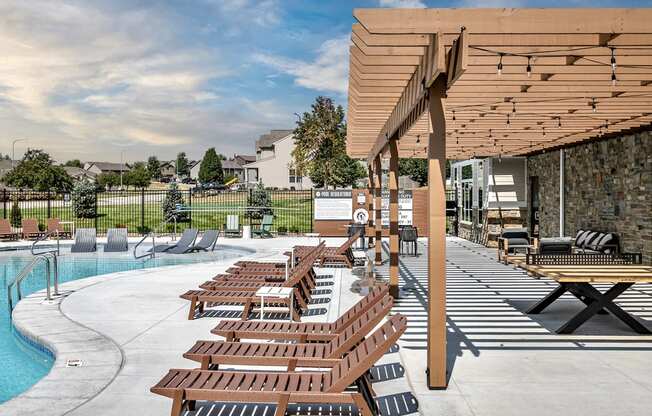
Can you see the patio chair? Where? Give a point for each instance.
(513, 240)
(30, 229)
(184, 387)
(232, 226)
(6, 233)
(341, 256)
(410, 236)
(212, 354)
(85, 241)
(55, 228)
(182, 246)
(206, 243)
(233, 330)
(116, 240)
(265, 228)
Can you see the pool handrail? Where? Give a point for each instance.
(43, 237)
(25, 271)
(151, 254)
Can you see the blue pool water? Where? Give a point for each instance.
(21, 365)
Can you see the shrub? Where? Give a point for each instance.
(16, 215)
(282, 229)
(83, 199)
(294, 229)
(143, 229)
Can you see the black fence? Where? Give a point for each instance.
(141, 211)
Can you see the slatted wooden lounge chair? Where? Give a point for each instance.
(211, 354)
(234, 330)
(85, 241)
(187, 239)
(247, 265)
(116, 240)
(232, 226)
(56, 229)
(30, 229)
(247, 298)
(6, 233)
(265, 229)
(185, 387)
(206, 243)
(333, 256)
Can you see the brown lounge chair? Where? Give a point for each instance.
(30, 229)
(6, 233)
(300, 331)
(321, 355)
(198, 298)
(56, 229)
(341, 256)
(185, 387)
(277, 265)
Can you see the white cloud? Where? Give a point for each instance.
(328, 72)
(404, 4)
(493, 3)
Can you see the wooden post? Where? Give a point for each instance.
(437, 374)
(378, 222)
(370, 204)
(393, 218)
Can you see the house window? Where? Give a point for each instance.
(295, 176)
(467, 200)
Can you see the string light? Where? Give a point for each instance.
(513, 107)
(613, 67)
(490, 135)
(500, 64)
(529, 67)
(508, 119)
(544, 131)
(418, 138)
(558, 121)
(453, 115)
(593, 105)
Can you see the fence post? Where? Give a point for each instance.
(4, 203)
(312, 213)
(247, 210)
(142, 210)
(96, 213)
(49, 210)
(190, 207)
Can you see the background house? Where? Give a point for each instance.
(273, 166)
(78, 174)
(99, 168)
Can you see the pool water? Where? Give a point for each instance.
(21, 365)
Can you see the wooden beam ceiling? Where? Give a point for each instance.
(566, 96)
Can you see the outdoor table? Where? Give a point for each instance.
(579, 280)
(275, 293)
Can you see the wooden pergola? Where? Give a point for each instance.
(462, 83)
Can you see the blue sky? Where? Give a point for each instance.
(90, 79)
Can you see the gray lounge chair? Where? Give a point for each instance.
(85, 241)
(116, 240)
(207, 242)
(187, 239)
(232, 226)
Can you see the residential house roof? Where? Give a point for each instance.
(108, 166)
(266, 140)
(231, 164)
(244, 159)
(74, 172)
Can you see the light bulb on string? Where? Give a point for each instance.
(613, 58)
(500, 65)
(453, 115)
(593, 105)
(508, 119)
(513, 107)
(529, 67)
(558, 121)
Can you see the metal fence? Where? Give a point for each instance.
(141, 210)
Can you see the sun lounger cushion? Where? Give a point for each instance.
(579, 241)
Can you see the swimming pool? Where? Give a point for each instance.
(22, 365)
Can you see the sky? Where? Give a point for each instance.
(98, 80)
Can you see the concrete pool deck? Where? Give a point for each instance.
(129, 328)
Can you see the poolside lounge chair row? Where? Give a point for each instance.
(342, 348)
(30, 229)
(188, 244)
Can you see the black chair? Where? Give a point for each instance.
(408, 235)
(513, 240)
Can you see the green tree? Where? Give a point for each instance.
(173, 198)
(320, 146)
(416, 169)
(154, 167)
(37, 171)
(183, 166)
(210, 169)
(108, 181)
(75, 163)
(138, 176)
(16, 216)
(83, 199)
(259, 202)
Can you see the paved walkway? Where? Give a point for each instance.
(504, 362)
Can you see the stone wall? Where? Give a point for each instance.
(608, 187)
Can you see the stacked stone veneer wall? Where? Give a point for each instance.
(608, 187)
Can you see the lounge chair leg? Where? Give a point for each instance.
(191, 405)
(191, 312)
(205, 362)
(282, 406)
(363, 408)
(177, 403)
(246, 311)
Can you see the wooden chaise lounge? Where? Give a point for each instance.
(246, 296)
(341, 256)
(234, 330)
(211, 354)
(185, 387)
(242, 264)
(6, 233)
(30, 229)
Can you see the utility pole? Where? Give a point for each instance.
(13, 150)
(122, 166)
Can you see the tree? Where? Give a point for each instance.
(173, 198)
(138, 176)
(416, 169)
(83, 199)
(16, 216)
(183, 166)
(154, 167)
(108, 180)
(259, 197)
(75, 163)
(210, 169)
(37, 171)
(320, 146)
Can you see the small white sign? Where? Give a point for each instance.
(361, 216)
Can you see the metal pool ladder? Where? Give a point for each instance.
(51, 276)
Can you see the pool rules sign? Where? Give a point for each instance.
(334, 205)
(404, 208)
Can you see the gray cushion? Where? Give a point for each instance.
(593, 241)
(516, 242)
(607, 239)
(587, 239)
